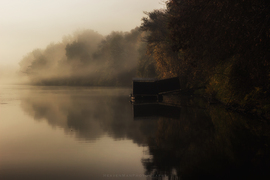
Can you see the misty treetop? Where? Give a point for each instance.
(87, 58)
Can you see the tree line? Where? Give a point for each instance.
(216, 48)
(219, 47)
(87, 58)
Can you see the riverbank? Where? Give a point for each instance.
(197, 99)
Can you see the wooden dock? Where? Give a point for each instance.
(147, 89)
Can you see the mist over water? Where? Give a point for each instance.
(86, 58)
(11, 75)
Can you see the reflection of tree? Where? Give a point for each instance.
(89, 113)
(203, 143)
(175, 140)
(208, 144)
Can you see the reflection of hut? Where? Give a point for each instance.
(151, 110)
(148, 89)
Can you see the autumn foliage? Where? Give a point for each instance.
(222, 46)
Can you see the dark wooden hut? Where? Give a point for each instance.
(147, 89)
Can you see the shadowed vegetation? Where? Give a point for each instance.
(221, 47)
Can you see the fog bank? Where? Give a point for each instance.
(87, 58)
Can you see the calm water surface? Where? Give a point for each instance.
(70, 133)
(95, 133)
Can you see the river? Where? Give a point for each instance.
(96, 133)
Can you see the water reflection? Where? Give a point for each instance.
(209, 144)
(89, 113)
(155, 110)
(187, 142)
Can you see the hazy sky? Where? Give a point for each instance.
(29, 24)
